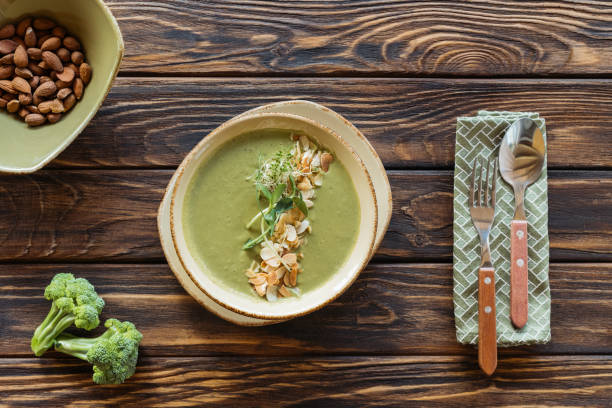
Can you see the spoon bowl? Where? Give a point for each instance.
(521, 154)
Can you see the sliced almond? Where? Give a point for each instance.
(290, 259)
(290, 233)
(303, 227)
(261, 289)
(284, 292)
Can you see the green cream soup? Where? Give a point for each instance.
(221, 199)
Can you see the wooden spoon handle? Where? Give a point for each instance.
(518, 274)
(487, 331)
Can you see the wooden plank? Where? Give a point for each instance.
(391, 309)
(76, 215)
(411, 123)
(316, 382)
(376, 37)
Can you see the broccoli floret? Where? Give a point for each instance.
(74, 301)
(113, 354)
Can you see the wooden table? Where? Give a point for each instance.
(402, 72)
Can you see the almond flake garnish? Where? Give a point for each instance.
(288, 181)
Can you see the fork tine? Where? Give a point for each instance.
(486, 197)
(493, 186)
(480, 186)
(471, 201)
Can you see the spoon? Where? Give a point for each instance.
(521, 160)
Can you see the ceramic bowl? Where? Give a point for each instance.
(24, 149)
(339, 281)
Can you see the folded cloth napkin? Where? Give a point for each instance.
(480, 137)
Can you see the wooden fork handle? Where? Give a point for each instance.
(518, 274)
(487, 331)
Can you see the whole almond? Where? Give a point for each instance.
(44, 79)
(6, 71)
(77, 57)
(43, 24)
(46, 90)
(19, 41)
(54, 117)
(25, 99)
(8, 97)
(85, 72)
(34, 82)
(43, 65)
(32, 109)
(45, 107)
(51, 44)
(59, 32)
(42, 38)
(63, 93)
(21, 57)
(13, 106)
(64, 54)
(7, 46)
(7, 59)
(24, 73)
(30, 37)
(21, 85)
(67, 75)
(72, 44)
(53, 61)
(23, 26)
(36, 70)
(57, 106)
(7, 86)
(7, 31)
(69, 102)
(35, 54)
(3, 103)
(326, 160)
(35, 119)
(62, 85)
(23, 112)
(78, 88)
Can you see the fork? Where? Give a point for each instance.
(483, 213)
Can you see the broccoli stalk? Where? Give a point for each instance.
(75, 301)
(113, 354)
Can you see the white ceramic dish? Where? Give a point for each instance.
(339, 280)
(324, 116)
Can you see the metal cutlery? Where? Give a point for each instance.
(521, 159)
(483, 213)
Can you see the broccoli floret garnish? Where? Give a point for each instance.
(113, 354)
(75, 301)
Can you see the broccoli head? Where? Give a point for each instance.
(113, 354)
(75, 301)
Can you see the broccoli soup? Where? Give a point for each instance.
(271, 214)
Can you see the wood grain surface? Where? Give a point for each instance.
(410, 122)
(110, 215)
(489, 38)
(560, 381)
(391, 309)
(402, 71)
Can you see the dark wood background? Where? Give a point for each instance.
(402, 71)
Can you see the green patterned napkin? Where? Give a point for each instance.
(480, 136)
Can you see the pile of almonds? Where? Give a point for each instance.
(43, 72)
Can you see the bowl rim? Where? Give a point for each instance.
(363, 260)
(90, 115)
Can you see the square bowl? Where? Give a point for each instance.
(26, 149)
